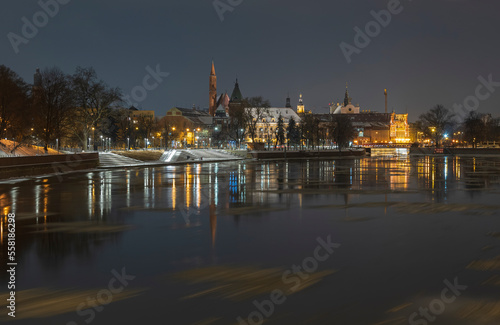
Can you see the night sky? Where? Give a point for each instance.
(432, 52)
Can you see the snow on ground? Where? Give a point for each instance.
(6, 147)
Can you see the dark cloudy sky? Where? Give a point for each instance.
(432, 52)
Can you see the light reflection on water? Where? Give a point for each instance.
(178, 206)
(192, 188)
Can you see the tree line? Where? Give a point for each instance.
(76, 110)
(440, 123)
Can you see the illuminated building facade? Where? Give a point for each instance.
(267, 124)
(373, 128)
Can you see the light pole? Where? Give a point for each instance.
(57, 145)
(216, 129)
(101, 144)
(93, 137)
(241, 130)
(174, 141)
(128, 143)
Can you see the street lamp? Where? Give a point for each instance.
(241, 135)
(128, 144)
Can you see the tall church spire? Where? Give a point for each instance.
(347, 99)
(236, 96)
(213, 69)
(212, 104)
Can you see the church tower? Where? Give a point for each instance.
(212, 104)
(236, 100)
(300, 107)
(347, 99)
(288, 104)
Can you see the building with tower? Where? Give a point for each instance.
(373, 128)
(300, 106)
(347, 107)
(236, 99)
(266, 126)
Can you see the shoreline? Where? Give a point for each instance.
(72, 163)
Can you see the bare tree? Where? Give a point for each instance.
(53, 103)
(436, 122)
(94, 100)
(480, 127)
(14, 105)
(146, 125)
(238, 121)
(309, 129)
(342, 130)
(255, 109)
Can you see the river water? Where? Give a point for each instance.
(366, 241)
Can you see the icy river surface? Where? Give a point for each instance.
(381, 240)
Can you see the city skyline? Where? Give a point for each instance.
(426, 55)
